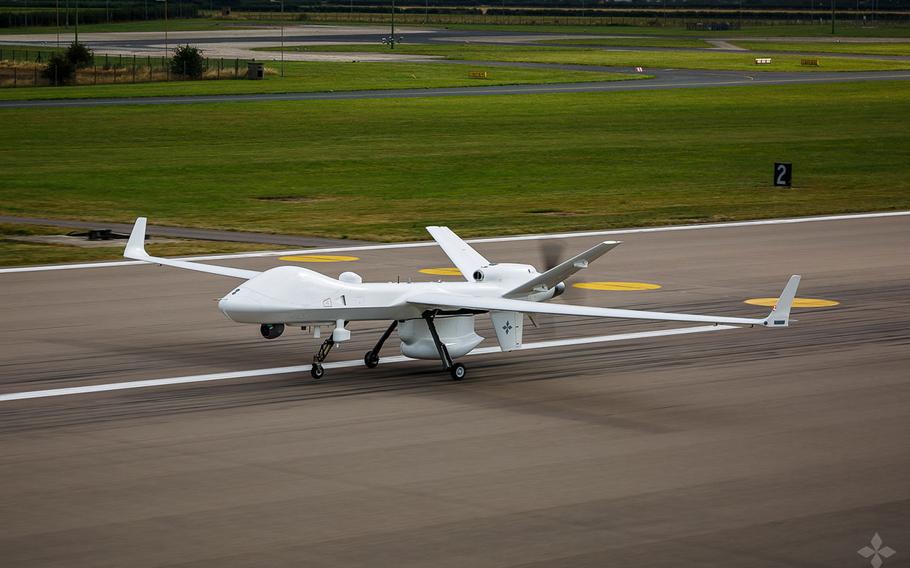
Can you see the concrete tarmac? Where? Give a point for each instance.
(744, 447)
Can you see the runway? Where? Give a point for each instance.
(664, 79)
(743, 447)
(239, 44)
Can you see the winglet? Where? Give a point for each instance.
(135, 247)
(780, 314)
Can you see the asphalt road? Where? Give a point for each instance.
(744, 447)
(664, 79)
(188, 233)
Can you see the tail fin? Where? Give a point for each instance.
(459, 252)
(780, 314)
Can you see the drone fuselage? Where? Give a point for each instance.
(297, 296)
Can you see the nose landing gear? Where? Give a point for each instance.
(317, 370)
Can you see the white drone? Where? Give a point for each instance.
(435, 320)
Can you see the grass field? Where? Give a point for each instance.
(173, 24)
(16, 253)
(845, 29)
(324, 76)
(632, 42)
(384, 169)
(828, 47)
(593, 56)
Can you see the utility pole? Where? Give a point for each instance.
(77, 21)
(392, 37)
(166, 51)
(282, 34)
(57, 17)
(833, 4)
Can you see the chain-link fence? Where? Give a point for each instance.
(25, 68)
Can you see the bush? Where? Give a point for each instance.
(79, 55)
(59, 69)
(187, 61)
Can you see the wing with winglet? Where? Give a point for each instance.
(135, 249)
(779, 316)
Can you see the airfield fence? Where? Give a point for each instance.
(23, 68)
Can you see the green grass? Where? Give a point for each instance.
(632, 42)
(18, 253)
(382, 169)
(783, 30)
(590, 56)
(173, 25)
(828, 47)
(323, 76)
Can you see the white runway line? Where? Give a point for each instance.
(264, 254)
(343, 364)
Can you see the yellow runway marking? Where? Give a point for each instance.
(797, 302)
(449, 271)
(616, 286)
(319, 258)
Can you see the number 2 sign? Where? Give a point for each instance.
(783, 174)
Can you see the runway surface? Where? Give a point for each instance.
(239, 44)
(735, 447)
(664, 79)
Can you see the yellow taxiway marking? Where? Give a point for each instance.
(448, 271)
(797, 302)
(616, 286)
(318, 258)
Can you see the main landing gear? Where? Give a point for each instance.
(371, 358)
(457, 370)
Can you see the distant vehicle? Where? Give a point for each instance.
(435, 320)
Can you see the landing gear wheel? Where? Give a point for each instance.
(317, 371)
(458, 371)
(371, 360)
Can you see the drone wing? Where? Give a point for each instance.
(779, 316)
(563, 270)
(135, 249)
(461, 254)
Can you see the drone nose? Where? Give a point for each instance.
(230, 302)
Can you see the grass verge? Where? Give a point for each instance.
(173, 25)
(384, 169)
(17, 253)
(632, 42)
(828, 47)
(301, 77)
(593, 56)
(783, 30)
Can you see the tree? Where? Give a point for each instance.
(79, 55)
(187, 61)
(59, 70)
